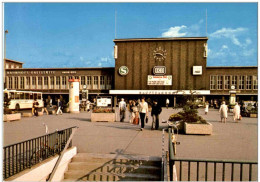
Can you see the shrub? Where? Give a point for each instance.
(104, 110)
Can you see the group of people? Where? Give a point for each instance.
(223, 110)
(139, 111)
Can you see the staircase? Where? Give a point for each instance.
(113, 167)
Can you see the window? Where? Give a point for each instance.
(241, 82)
(12, 66)
(16, 95)
(16, 82)
(33, 82)
(27, 96)
(76, 77)
(255, 82)
(10, 83)
(234, 81)
(220, 82)
(34, 96)
(22, 95)
(52, 82)
(227, 82)
(70, 77)
(22, 82)
(89, 82)
(248, 82)
(212, 82)
(82, 80)
(64, 82)
(7, 66)
(39, 82)
(57, 82)
(27, 86)
(11, 95)
(39, 96)
(45, 85)
(95, 85)
(102, 82)
(17, 66)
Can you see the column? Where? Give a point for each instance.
(67, 82)
(13, 82)
(86, 81)
(174, 101)
(7, 82)
(19, 82)
(54, 85)
(60, 82)
(203, 99)
(25, 80)
(43, 82)
(36, 82)
(49, 82)
(80, 85)
(99, 83)
(92, 82)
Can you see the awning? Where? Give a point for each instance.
(159, 92)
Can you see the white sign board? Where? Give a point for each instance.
(103, 102)
(159, 80)
(197, 70)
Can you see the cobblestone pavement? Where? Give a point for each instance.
(228, 141)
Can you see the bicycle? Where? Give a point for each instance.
(173, 126)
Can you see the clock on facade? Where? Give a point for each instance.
(159, 54)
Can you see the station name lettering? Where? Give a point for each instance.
(30, 72)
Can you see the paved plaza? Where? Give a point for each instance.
(229, 141)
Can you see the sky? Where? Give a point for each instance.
(57, 35)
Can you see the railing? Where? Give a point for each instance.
(20, 156)
(212, 170)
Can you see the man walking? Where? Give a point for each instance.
(156, 111)
(122, 109)
(59, 107)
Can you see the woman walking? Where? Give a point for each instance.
(143, 108)
(223, 112)
(206, 107)
(236, 112)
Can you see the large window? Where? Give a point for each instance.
(227, 82)
(51, 82)
(76, 77)
(10, 83)
(82, 80)
(33, 82)
(39, 82)
(212, 82)
(57, 82)
(22, 82)
(45, 83)
(28, 81)
(234, 81)
(102, 82)
(109, 82)
(248, 82)
(255, 82)
(89, 82)
(64, 82)
(95, 84)
(220, 82)
(241, 82)
(15, 82)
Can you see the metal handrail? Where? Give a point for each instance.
(20, 156)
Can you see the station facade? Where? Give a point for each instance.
(169, 67)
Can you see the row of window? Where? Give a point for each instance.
(11, 66)
(58, 82)
(242, 82)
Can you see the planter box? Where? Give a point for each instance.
(202, 129)
(107, 117)
(12, 117)
(253, 115)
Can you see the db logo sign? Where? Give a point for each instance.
(123, 70)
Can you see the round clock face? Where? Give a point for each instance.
(159, 54)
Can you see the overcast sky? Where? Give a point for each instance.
(51, 35)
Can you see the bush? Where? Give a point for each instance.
(104, 110)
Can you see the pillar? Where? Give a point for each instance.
(98, 82)
(19, 82)
(36, 82)
(30, 82)
(54, 85)
(203, 99)
(174, 101)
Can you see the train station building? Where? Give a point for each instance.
(169, 67)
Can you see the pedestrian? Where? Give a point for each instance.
(131, 105)
(236, 112)
(59, 107)
(156, 111)
(143, 109)
(167, 102)
(135, 114)
(122, 109)
(45, 107)
(35, 107)
(223, 111)
(88, 105)
(206, 107)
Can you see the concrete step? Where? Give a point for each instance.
(97, 176)
(79, 170)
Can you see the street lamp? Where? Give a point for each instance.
(6, 32)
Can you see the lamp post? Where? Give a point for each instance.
(6, 32)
